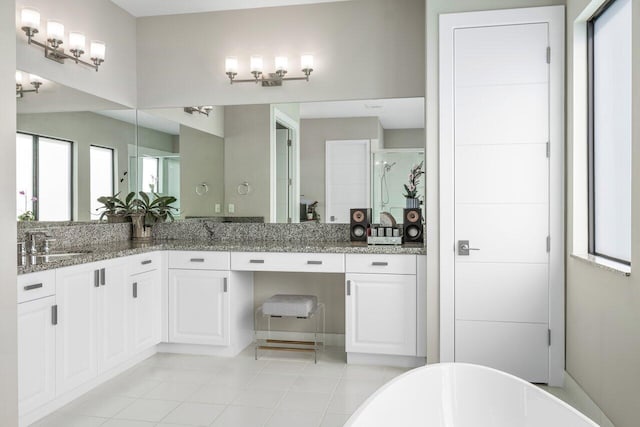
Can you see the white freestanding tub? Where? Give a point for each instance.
(464, 395)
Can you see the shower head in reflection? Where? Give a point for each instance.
(388, 166)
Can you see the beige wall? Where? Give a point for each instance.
(433, 10)
(357, 45)
(201, 160)
(603, 307)
(247, 158)
(404, 138)
(99, 20)
(313, 134)
(85, 129)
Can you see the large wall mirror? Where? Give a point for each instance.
(298, 162)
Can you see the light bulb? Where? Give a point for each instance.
(281, 63)
(55, 31)
(77, 42)
(256, 64)
(231, 64)
(30, 18)
(18, 78)
(98, 50)
(306, 61)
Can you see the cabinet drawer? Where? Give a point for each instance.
(294, 262)
(389, 264)
(36, 285)
(144, 262)
(199, 260)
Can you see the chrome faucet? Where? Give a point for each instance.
(33, 239)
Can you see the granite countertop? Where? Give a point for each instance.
(115, 249)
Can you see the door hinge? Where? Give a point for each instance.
(548, 243)
(290, 181)
(548, 150)
(548, 54)
(289, 143)
(549, 337)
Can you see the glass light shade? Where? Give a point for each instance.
(98, 49)
(306, 61)
(281, 63)
(18, 78)
(231, 64)
(256, 64)
(35, 79)
(77, 41)
(30, 18)
(55, 30)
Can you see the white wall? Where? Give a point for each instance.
(98, 20)
(8, 297)
(404, 138)
(214, 123)
(363, 49)
(433, 10)
(603, 307)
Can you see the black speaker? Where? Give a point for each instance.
(360, 221)
(412, 230)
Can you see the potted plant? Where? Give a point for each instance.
(412, 196)
(115, 209)
(146, 212)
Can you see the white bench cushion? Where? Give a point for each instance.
(290, 305)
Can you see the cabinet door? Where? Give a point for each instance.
(381, 314)
(36, 353)
(77, 296)
(198, 307)
(113, 324)
(144, 302)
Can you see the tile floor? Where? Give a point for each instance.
(279, 390)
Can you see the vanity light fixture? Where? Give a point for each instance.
(30, 24)
(270, 79)
(35, 81)
(203, 109)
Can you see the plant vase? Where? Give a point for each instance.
(412, 203)
(113, 218)
(141, 232)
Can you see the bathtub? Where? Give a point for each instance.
(464, 395)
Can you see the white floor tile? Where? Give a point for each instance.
(103, 406)
(128, 423)
(194, 414)
(172, 391)
(69, 420)
(334, 420)
(259, 398)
(315, 383)
(282, 418)
(342, 403)
(242, 416)
(272, 381)
(215, 394)
(233, 378)
(147, 410)
(332, 370)
(364, 372)
(305, 401)
(358, 386)
(285, 367)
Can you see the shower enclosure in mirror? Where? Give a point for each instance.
(391, 169)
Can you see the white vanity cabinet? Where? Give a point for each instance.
(92, 321)
(143, 291)
(381, 304)
(36, 340)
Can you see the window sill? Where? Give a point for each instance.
(604, 263)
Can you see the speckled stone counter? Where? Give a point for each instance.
(115, 249)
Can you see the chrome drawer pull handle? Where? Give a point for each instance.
(135, 289)
(225, 285)
(256, 261)
(380, 263)
(197, 259)
(314, 262)
(31, 287)
(145, 262)
(348, 287)
(96, 278)
(54, 314)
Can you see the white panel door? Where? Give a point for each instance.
(36, 354)
(381, 314)
(199, 307)
(501, 193)
(347, 178)
(77, 290)
(113, 322)
(143, 292)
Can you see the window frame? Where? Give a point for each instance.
(35, 169)
(591, 196)
(113, 165)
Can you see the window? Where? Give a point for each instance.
(609, 148)
(43, 176)
(101, 167)
(150, 169)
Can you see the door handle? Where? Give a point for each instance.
(103, 276)
(34, 286)
(145, 262)
(135, 289)
(348, 287)
(314, 262)
(256, 261)
(225, 286)
(464, 248)
(380, 263)
(197, 259)
(54, 314)
(96, 278)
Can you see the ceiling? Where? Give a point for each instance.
(140, 8)
(394, 113)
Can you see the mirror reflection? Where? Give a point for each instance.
(297, 162)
